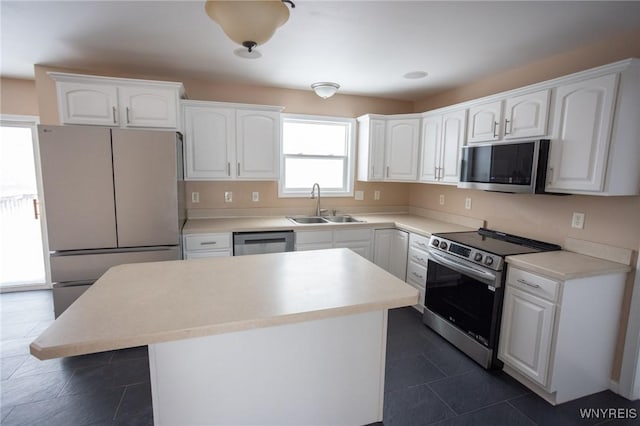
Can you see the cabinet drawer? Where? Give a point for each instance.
(205, 254)
(352, 235)
(419, 241)
(418, 256)
(416, 274)
(310, 237)
(533, 284)
(207, 241)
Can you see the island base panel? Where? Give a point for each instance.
(328, 371)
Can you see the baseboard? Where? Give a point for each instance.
(614, 387)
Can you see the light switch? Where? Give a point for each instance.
(255, 196)
(195, 197)
(442, 199)
(228, 196)
(376, 195)
(467, 203)
(359, 195)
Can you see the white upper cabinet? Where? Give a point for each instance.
(484, 122)
(106, 101)
(583, 119)
(526, 116)
(257, 144)
(402, 145)
(442, 137)
(523, 116)
(371, 134)
(225, 141)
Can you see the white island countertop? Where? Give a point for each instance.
(141, 304)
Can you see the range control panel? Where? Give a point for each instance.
(479, 257)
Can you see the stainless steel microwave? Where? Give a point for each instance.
(505, 167)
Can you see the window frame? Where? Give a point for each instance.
(347, 189)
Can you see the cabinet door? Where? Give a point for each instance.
(583, 116)
(390, 251)
(376, 146)
(209, 139)
(453, 138)
(77, 178)
(526, 115)
(402, 143)
(257, 144)
(87, 104)
(526, 334)
(484, 122)
(148, 107)
(430, 158)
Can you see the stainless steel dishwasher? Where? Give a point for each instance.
(262, 242)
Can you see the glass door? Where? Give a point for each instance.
(23, 259)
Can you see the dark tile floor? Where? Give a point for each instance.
(427, 381)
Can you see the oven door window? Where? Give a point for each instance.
(463, 301)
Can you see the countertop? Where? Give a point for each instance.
(565, 265)
(140, 304)
(412, 223)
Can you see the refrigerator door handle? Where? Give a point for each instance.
(109, 251)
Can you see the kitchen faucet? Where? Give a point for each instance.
(313, 191)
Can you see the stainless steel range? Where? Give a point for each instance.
(464, 288)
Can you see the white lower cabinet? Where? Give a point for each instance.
(390, 251)
(358, 240)
(558, 337)
(417, 261)
(197, 246)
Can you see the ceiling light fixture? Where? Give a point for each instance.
(249, 23)
(325, 89)
(415, 75)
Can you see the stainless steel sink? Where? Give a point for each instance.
(308, 219)
(341, 219)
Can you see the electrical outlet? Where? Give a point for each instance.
(578, 220)
(442, 199)
(359, 195)
(228, 196)
(376, 195)
(195, 197)
(467, 203)
(255, 196)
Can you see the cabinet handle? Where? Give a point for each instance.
(506, 126)
(435, 172)
(373, 171)
(128, 115)
(387, 171)
(550, 175)
(419, 259)
(238, 169)
(521, 281)
(495, 129)
(421, 244)
(415, 274)
(208, 243)
(113, 109)
(228, 169)
(36, 213)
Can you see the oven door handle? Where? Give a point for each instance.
(479, 274)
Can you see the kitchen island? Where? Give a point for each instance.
(284, 338)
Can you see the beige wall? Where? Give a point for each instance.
(18, 97)
(623, 46)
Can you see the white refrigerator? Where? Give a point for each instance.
(111, 196)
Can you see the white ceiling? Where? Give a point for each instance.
(365, 46)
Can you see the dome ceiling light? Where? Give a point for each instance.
(249, 23)
(325, 89)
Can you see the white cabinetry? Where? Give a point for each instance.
(442, 137)
(558, 337)
(582, 132)
(358, 240)
(402, 145)
(525, 116)
(390, 251)
(371, 133)
(388, 147)
(106, 101)
(197, 246)
(417, 265)
(224, 141)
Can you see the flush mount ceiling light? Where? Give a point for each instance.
(415, 75)
(249, 23)
(325, 89)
